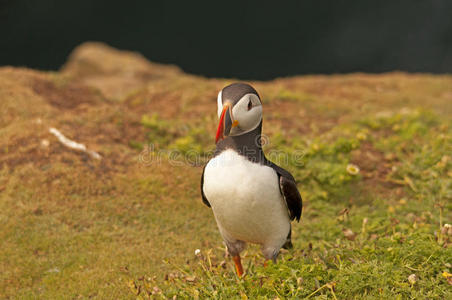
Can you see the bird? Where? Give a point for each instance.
(253, 200)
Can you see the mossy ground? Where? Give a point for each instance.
(128, 226)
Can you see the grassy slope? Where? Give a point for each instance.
(129, 224)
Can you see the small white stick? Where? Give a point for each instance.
(73, 145)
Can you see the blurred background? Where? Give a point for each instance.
(246, 40)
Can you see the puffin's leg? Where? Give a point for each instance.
(238, 265)
(234, 249)
(270, 253)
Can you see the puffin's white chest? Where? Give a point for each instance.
(246, 199)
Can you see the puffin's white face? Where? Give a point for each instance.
(245, 115)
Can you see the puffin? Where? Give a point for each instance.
(253, 200)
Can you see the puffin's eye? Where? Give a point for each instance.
(250, 105)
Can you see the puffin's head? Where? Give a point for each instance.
(239, 110)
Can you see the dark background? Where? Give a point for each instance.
(247, 40)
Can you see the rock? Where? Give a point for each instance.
(115, 73)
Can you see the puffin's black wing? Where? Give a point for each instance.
(292, 196)
(204, 198)
(289, 191)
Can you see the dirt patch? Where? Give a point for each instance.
(68, 96)
(374, 165)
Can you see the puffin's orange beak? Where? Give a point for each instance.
(220, 130)
(226, 124)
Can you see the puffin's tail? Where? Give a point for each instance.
(288, 244)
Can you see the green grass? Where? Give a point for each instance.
(354, 241)
(127, 227)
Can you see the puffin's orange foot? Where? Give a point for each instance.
(238, 265)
